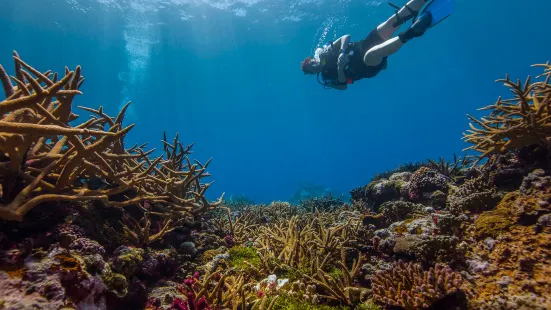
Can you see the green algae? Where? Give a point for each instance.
(369, 305)
(288, 302)
(114, 282)
(293, 273)
(241, 254)
(335, 273)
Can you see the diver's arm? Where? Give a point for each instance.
(345, 40)
(342, 41)
(340, 72)
(342, 59)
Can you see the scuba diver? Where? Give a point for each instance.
(342, 62)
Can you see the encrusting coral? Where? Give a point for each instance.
(44, 158)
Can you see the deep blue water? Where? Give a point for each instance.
(226, 75)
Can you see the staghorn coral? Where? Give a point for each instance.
(305, 245)
(311, 247)
(408, 286)
(139, 232)
(226, 290)
(45, 159)
(513, 123)
(340, 286)
(455, 170)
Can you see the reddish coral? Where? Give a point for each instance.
(179, 304)
(408, 286)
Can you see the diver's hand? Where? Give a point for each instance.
(341, 64)
(342, 60)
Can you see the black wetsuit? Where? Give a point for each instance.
(356, 68)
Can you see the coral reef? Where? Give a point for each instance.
(86, 223)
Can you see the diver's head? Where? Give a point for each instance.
(310, 65)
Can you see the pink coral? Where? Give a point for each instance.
(408, 286)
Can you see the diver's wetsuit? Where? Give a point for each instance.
(356, 68)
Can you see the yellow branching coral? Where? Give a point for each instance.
(306, 246)
(341, 287)
(227, 290)
(522, 120)
(310, 248)
(139, 231)
(408, 286)
(51, 160)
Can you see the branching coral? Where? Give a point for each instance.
(139, 231)
(408, 286)
(225, 290)
(454, 170)
(341, 287)
(516, 122)
(306, 246)
(43, 158)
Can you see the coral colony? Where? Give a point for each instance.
(86, 223)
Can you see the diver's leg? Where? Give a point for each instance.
(387, 29)
(374, 56)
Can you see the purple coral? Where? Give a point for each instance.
(426, 180)
(85, 246)
(408, 286)
(150, 266)
(67, 233)
(159, 263)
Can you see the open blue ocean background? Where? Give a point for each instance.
(225, 75)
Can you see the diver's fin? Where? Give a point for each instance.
(435, 12)
(418, 28)
(439, 10)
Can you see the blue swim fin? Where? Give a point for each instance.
(433, 13)
(439, 10)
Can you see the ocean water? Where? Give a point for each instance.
(226, 76)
